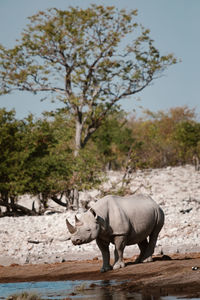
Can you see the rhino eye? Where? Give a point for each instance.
(88, 229)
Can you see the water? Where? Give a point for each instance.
(98, 290)
(61, 289)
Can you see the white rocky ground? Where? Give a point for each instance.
(44, 239)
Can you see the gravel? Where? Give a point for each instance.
(45, 239)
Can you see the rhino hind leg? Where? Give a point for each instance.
(151, 246)
(143, 247)
(120, 243)
(153, 239)
(147, 248)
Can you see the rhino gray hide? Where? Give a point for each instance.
(122, 221)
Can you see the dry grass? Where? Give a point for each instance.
(24, 296)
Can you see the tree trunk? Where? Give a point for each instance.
(74, 191)
(74, 201)
(79, 128)
(129, 166)
(58, 201)
(17, 209)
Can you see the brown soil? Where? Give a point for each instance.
(165, 275)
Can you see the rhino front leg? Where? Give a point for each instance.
(104, 248)
(120, 243)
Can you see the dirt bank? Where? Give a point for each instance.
(166, 275)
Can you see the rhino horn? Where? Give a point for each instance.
(70, 227)
(78, 222)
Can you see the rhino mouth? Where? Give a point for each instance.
(77, 242)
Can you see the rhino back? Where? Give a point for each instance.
(135, 215)
(144, 214)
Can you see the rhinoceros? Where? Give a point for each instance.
(129, 220)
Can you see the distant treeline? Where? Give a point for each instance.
(155, 140)
(37, 158)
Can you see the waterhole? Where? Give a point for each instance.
(66, 290)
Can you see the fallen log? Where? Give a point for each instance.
(16, 208)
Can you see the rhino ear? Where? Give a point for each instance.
(93, 212)
(70, 227)
(78, 222)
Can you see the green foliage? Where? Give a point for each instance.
(37, 158)
(113, 140)
(48, 161)
(187, 136)
(164, 139)
(11, 133)
(87, 169)
(50, 165)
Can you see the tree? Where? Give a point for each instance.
(83, 59)
(12, 181)
(164, 138)
(36, 159)
(47, 164)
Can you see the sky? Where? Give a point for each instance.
(174, 26)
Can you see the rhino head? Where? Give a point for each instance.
(86, 229)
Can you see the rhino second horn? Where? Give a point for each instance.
(70, 227)
(78, 222)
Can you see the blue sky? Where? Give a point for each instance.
(174, 25)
